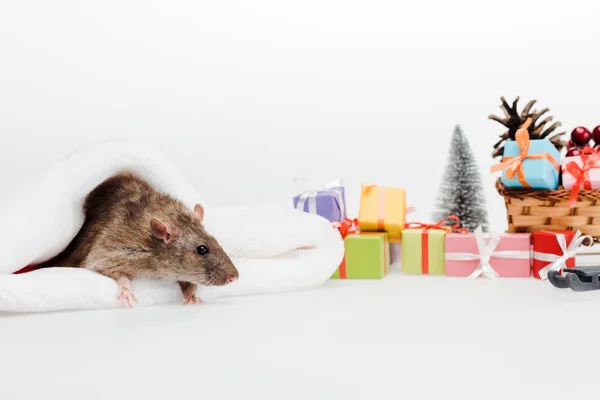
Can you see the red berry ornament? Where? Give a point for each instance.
(573, 151)
(596, 135)
(581, 136)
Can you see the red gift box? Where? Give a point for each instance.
(546, 242)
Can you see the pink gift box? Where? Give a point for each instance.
(568, 180)
(510, 259)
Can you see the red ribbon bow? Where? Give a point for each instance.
(587, 150)
(347, 226)
(425, 237)
(514, 165)
(438, 225)
(591, 159)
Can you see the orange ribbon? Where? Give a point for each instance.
(425, 236)
(514, 165)
(581, 174)
(380, 205)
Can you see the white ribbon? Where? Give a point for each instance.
(486, 251)
(558, 262)
(333, 187)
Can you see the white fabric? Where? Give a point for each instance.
(275, 249)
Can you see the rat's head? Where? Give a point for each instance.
(193, 254)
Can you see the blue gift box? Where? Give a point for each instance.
(539, 173)
(330, 203)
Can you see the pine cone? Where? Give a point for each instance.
(537, 130)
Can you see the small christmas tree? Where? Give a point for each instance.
(461, 189)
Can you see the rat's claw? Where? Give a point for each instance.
(192, 300)
(189, 294)
(126, 294)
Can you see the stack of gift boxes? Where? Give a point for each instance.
(367, 239)
(443, 248)
(380, 222)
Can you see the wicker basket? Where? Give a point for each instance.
(531, 210)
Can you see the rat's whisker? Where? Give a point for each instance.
(237, 251)
(247, 244)
(236, 254)
(191, 294)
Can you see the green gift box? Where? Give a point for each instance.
(367, 256)
(423, 251)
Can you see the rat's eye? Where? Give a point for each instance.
(202, 250)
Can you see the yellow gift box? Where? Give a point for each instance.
(382, 209)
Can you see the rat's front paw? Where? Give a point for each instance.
(189, 293)
(192, 299)
(127, 298)
(126, 294)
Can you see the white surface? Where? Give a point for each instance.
(369, 91)
(403, 337)
(268, 90)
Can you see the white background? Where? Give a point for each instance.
(243, 97)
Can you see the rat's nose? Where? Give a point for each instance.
(232, 279)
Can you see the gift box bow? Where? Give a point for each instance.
(590, 159)
(485, 251)
(558, 262)
(334, 187)
(346, 227)
(439, 225)
(425, 236)
(514, 165)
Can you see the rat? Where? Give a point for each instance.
(133, 231)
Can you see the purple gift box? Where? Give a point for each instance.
(329, 202)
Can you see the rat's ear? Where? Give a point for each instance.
(199, 212)
(160, 230)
